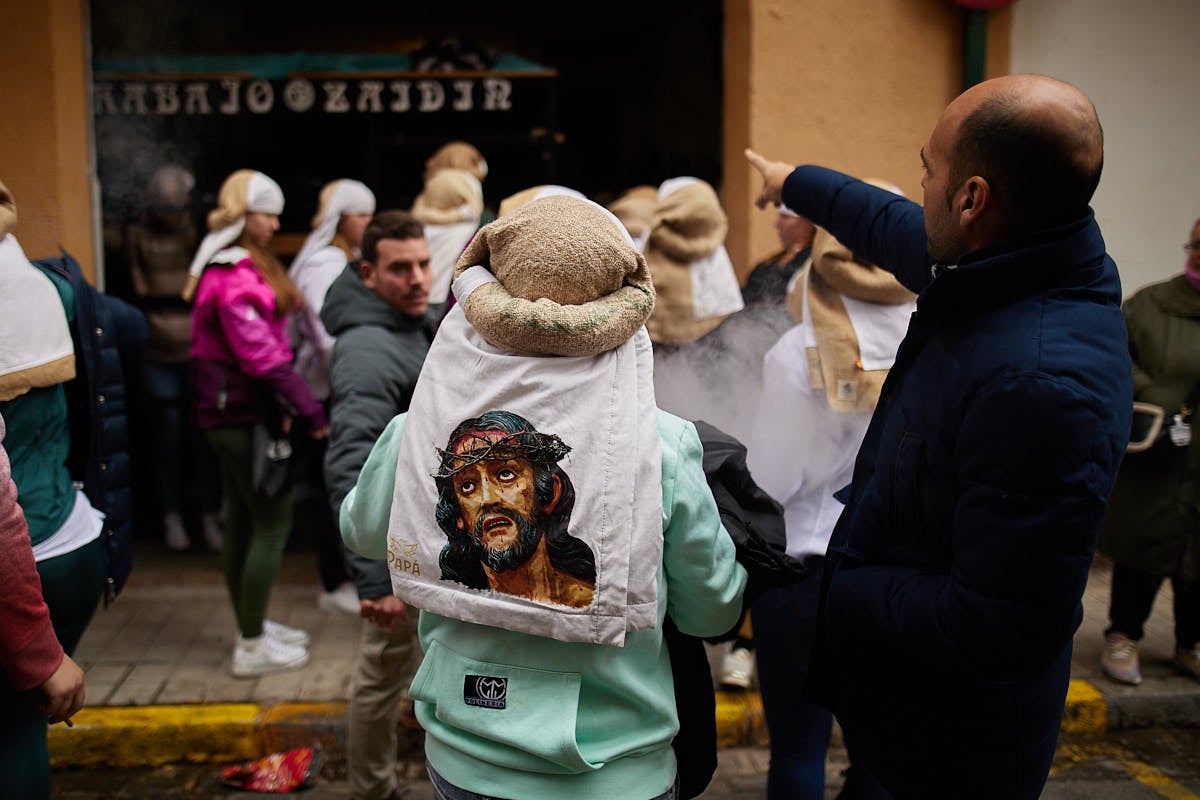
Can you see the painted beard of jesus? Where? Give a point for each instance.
(502, 553)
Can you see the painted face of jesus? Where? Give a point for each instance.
(497, 503)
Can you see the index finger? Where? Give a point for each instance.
(756, 161)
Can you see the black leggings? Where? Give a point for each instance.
(1133, 593)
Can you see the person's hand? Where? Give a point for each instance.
(319, 433)
(285, 425)
(386, 612)
(774, 173)
(63, 692)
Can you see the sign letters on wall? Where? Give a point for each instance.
(232, 96)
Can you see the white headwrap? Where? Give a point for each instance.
(314, 269)
(715, 288)
(349, 197)
(35, 343)
(554, 190)
(263, 196)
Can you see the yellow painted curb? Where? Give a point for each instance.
(740, 720)
(151, 735)
(1085, 712)
(289, 725)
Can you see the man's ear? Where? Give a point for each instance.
(974, 199)
(367, 273)
(548, 509)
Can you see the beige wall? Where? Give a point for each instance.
(851, 84)
(46, 128)
(1140, 64)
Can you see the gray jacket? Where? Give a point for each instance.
(376, 359)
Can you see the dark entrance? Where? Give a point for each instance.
(603, 97)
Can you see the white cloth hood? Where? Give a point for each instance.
(35, 342)
(349, 197)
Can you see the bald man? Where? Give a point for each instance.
(955, 572)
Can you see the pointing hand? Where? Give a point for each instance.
(774, 173)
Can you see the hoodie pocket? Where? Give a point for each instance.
(514, 717)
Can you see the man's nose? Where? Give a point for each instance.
(486, 491)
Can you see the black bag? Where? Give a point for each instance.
(271, 470)
(755, 523)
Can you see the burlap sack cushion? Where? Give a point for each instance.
(570, 284)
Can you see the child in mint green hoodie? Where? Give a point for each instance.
(580, 720)
(510, 713)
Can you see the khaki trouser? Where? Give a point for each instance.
(387, 661)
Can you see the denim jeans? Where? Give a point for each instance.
(785, 624)
(444, 790)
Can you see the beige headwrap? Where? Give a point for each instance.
(35, 342)
(450, 208)
(837, 363)
(457, 155)
(242, 192)
(635, 209)
(600, 284)
(693, 277)
(450, 196)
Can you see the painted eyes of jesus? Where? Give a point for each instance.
(503, 475)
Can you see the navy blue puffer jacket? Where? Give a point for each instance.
(956, 570)
(108, 335)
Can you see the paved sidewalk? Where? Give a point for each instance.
(157, 667)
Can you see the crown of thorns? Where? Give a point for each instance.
(534, 447)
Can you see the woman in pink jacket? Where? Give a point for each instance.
(243, 378)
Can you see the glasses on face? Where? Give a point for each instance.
(1192, 247)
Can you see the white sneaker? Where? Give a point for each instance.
(214, 536)
(285, 633)
(174, 533)
(737, 668)
(343, 599)
(262, 655)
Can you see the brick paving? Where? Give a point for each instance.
(169, 637)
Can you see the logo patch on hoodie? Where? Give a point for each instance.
(485, 691)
